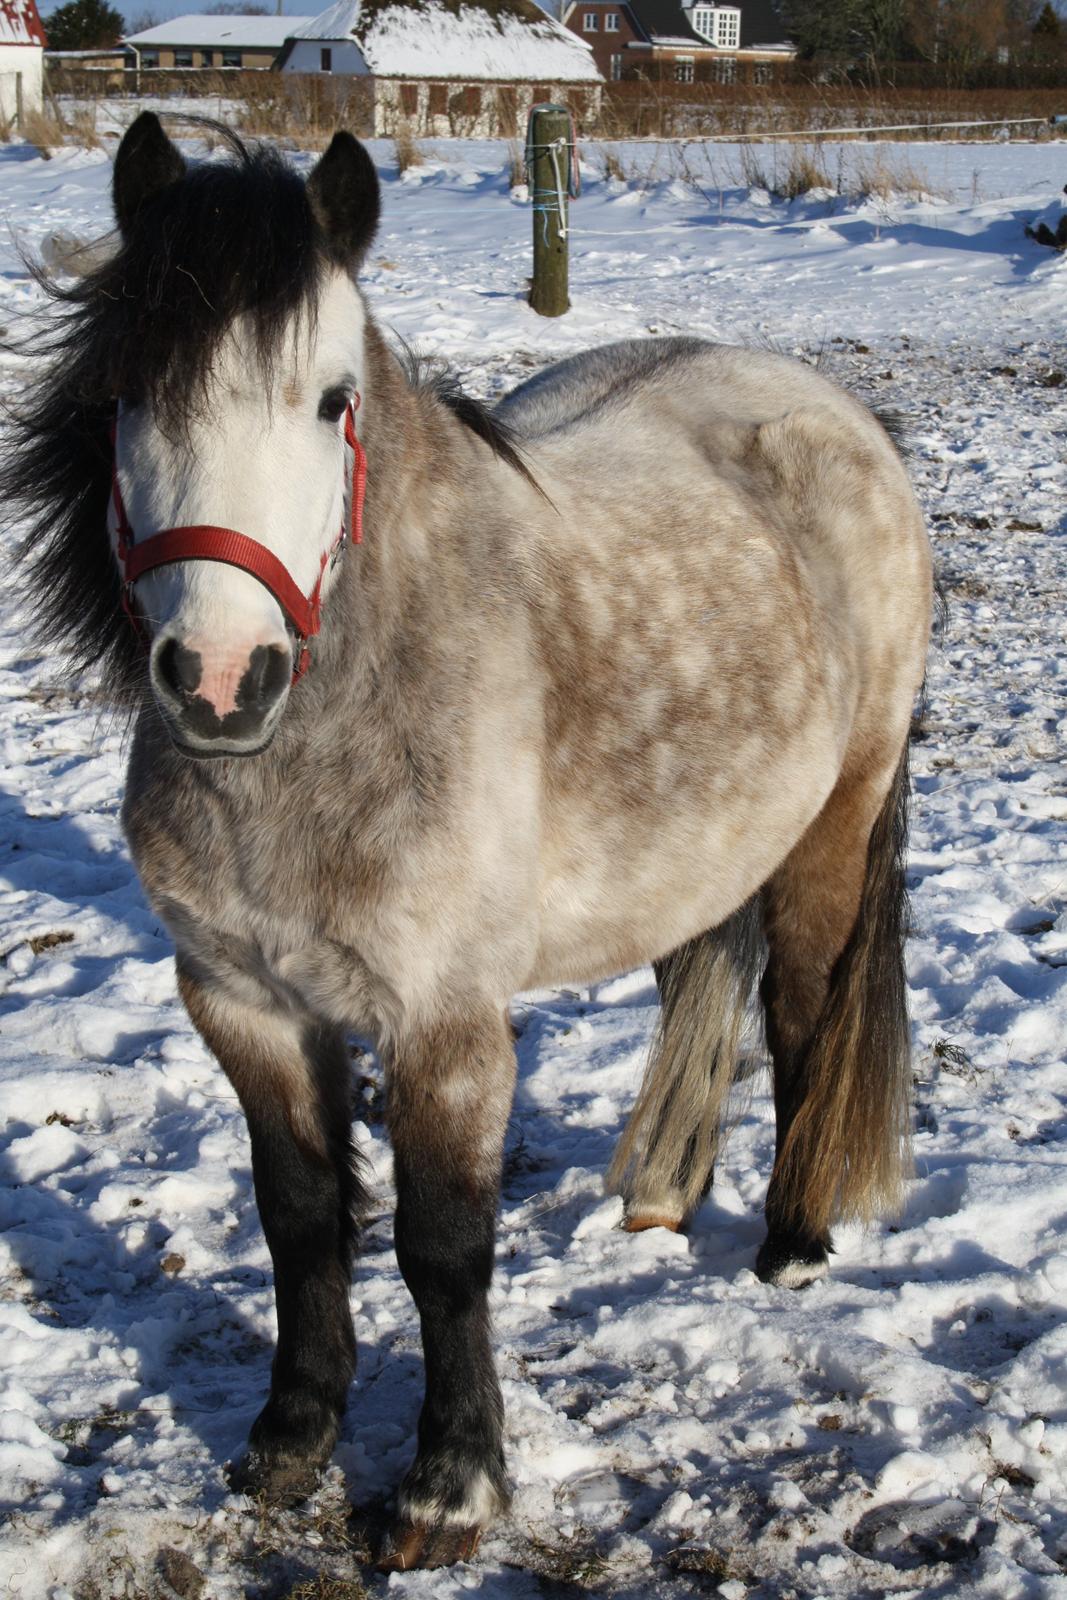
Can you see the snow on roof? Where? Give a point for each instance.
(20, 23)
(269, 33)
(494, 39)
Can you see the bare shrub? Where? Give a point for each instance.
(406, 145)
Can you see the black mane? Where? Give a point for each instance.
(232, 238)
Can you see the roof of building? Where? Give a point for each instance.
(20, 23)
(498, 40)
(219, 32)
(664, 22)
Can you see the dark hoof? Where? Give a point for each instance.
(790, 1262)
(278, 1481)
(408, 1545)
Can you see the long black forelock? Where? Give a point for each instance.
(232, 242)
(233, 239)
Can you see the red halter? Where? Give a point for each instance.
(204, 542)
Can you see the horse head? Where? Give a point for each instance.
(237, 370)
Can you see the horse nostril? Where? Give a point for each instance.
(179, 668)
(269, 671)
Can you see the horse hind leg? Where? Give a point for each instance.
(665, 1158)
(834, 997)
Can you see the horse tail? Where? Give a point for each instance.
(663, 1163)
(846, 1154)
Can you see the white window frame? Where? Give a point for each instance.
(616, 68)
(611, 22)
(725, 69)
(590, 23)
(704, 22)
(727, 27)
(684, 69)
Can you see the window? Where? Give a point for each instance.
(727, 28)
(409, 98)
(763, 72)
(611, 22)
(616, 68)
(725, 69)
(438, 100)
(205, 58)
(149, 58)
(231, 58)
(589, 22)
(325, 60)
(683, 69)
(183, 58)
(720, 25)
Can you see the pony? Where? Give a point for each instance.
(436, 703)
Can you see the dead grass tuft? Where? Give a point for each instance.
(406, 146)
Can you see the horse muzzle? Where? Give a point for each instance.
(219, 702)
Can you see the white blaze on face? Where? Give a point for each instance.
(270, 465)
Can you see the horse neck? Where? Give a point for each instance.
(398, 580)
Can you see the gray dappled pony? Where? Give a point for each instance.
(619, 672)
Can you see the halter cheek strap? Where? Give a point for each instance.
(205, 542)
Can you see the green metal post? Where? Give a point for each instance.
(550, 134)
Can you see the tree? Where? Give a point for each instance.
(1048, 26)
(84, 25)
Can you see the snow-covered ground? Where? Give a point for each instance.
(674, 1427)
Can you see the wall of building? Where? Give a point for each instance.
(449, 109)
(20, 64)
(608, 42)
(195, 58)
(344, 57)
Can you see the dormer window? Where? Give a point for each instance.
(720, 25)
(589, 22)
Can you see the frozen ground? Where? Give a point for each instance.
(674, 1427)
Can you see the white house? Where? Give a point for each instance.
(442, 67)
(228, 43)
(21, 59)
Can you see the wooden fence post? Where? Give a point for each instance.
(549, 155)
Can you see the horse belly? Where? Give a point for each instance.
(634, 885)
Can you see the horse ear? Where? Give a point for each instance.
(145, 163)
(345, 199)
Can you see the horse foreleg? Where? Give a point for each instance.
(293, 1082)
(449, 1092)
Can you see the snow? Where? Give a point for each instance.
(674, 1427)
(197, 29)
(428, 39)
(20, 23)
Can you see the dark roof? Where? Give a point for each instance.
(761, 24)
(665, 19)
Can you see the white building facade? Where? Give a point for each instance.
(21, 61)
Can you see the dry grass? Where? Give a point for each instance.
(516, 164)
(877, 175)
(787, 171)
(49, 131)
(406, 146)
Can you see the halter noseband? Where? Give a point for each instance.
(204, 542)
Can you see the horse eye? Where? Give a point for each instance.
(333, 404)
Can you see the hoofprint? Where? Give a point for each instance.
(602, 1290)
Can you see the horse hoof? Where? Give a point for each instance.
(276, 1483)
(409, 1545)
(640, 1220)
(790, 1264)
